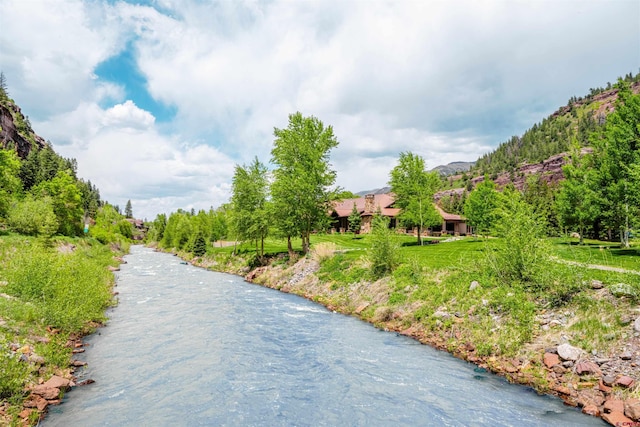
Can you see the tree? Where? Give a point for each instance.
(128, 211)
(414, 188)
(9, 182)
(250, 219)
(34, 217)
(384, 251)
(616, 156)
(355, 220)
(67, 202)
(480, 207)
(577, 202)
(302, 179)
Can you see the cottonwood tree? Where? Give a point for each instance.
(616, 158)
(480, 207)
(302, 178)
(577, 202)
(250, 216)
(414, 188)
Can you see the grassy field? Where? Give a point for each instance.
(460, 252)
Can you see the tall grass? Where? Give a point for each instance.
(68, 290)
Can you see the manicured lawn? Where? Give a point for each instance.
(597, 252)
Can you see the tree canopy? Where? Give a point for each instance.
(302, 180)
(414, 188)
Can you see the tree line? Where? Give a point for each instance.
(41, 193)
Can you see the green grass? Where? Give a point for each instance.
(47, 288)
(597, 252)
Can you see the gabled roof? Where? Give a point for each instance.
(449, 217)
(384, 201)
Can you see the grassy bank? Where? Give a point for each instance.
(456, 295)
(51, 293)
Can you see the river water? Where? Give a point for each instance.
(188, 347)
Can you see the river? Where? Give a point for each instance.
(188, 347)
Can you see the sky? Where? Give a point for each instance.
(159, 100)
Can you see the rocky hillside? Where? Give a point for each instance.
(554, 135)
(16, 131)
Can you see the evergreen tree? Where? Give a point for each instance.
(128, 211)
(355, 220)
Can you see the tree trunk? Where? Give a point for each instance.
(419, 235)
(289, 247)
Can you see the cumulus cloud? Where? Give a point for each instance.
(447, 80)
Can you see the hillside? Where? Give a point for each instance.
(553, 136)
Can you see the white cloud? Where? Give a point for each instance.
(448, 80)
(129, 116)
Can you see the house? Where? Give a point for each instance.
(369, 204)
(367, 207)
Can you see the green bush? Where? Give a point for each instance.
(384, 253)
(33, 217)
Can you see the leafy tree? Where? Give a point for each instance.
(34, 217)
(302, 178)
(577, 202)
(541, 197)
(128, 211)
(414, 188)
(522, 254)
(67, 202)
(480, 207)
(250, 218)
(344, 194)
(9, 181)
(355, 220)
(616, 156)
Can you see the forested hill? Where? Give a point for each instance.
(36, 183)
(575, 121)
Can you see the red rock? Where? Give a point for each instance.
(591, 410)
(604, 388)
(617, 419)
(77, 363)
(46, 392)
(35, 401)
(550, 360)
(632, 409)
(590, 398)
(625, 381)
(587, 368)
(57, 382)
(613, 405)
(561, 389)
(25, 413)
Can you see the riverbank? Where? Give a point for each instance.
(52, 293)
(560, 355)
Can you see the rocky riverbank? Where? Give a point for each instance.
(602, 384)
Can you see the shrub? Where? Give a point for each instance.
(384, 252)
(521, 255)
(34, 217)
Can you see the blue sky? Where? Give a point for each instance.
(159, 99)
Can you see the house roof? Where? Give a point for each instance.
(449, 217)
(384, 201)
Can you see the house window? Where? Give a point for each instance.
(451, 227)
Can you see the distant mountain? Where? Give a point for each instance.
(454, 168)
(383, 190)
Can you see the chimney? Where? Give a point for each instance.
(369, 204)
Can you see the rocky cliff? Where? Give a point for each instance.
(16, 132)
